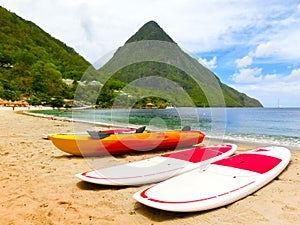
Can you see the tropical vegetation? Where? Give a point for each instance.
(33, 64)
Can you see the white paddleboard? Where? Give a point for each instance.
(158, 168)
(223, 182)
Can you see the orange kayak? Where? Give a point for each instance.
(85, 145)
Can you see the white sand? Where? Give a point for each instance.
(38, 186)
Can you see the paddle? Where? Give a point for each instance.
(101, 135)
(98, 134)
(186, 128)
(141, 129)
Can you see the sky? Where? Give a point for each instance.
(251, 45)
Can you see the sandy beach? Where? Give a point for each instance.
(38, 186)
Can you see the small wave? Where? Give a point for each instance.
(259, 140)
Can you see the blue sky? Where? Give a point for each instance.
(251, 45)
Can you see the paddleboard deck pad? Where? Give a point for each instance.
(223, 182)
(158, 168)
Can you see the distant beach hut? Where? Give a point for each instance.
(149, 105)
(25, 103)
(10, 103)
(4, 102)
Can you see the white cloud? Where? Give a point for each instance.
(274, 87)
(265, 49)
(209, 63)
(96, 27)
(269, 93)
(281, 48)
(288, 47)
(248, 76)
(271, 77)
(293, 77)
(244, 62)
(282, 44)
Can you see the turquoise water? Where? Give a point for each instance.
(266, 126)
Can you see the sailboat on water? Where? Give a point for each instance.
(278, 104)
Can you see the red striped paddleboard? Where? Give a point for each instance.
(158, 168)
(223, 182)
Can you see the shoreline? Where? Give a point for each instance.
(220, 138)
(39, 186)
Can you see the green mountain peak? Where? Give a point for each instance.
(150, 31)
(165, 70)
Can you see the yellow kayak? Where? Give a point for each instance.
(85, 145)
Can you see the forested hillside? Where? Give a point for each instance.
(33, 64)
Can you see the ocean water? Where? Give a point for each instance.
(255, 126)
